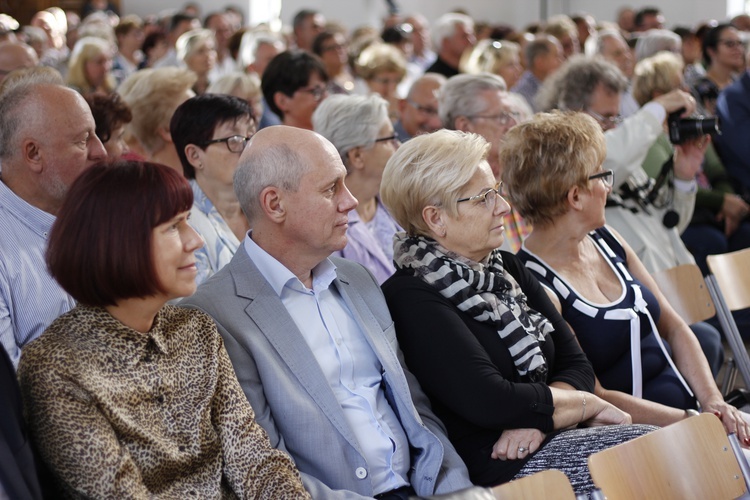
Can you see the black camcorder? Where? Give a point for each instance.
(683, 129)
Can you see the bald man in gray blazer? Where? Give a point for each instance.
(311, 338)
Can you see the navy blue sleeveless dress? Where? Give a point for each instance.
(610, 334)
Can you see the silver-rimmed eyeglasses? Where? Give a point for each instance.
(503, 119)
(607, 177)
(235, 143)
(607, 121)
(489, 197)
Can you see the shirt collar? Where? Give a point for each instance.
(278, 276)
(36, 219)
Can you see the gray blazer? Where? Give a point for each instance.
(291, 397)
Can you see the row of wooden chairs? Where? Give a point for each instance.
(692, 459)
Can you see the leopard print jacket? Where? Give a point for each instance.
(120, 414)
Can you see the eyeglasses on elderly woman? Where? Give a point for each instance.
(607, 177)
(488, 197)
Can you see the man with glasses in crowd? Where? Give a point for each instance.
(293, 85)
(419, 111)
(481, 104)
(650, 225)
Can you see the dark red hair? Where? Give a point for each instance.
(99, 248)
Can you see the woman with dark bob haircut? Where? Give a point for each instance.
(127, 396)
(210, 131)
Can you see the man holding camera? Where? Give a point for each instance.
(649, 221)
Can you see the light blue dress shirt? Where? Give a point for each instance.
(30, 299)
(352, 369)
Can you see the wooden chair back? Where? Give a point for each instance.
(732, 273)
(549, 484)
(686, 292)
(691, 459)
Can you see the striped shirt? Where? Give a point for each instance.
(30, 299)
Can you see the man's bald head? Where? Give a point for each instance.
(16, 55)
(47, 138)
(277, 156)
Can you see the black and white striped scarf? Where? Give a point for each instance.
(487, 292)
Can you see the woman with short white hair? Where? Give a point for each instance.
(359, 128)
(197, 50)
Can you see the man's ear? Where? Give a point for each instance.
(32, 155)
(272, 203)
(463, 124)
(433, 217)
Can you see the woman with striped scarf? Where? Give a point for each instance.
(502, 369)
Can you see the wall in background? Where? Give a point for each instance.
(518, 13)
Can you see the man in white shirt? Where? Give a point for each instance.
(46, 140)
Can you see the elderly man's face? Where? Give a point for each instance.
(604, 107)
(462, 39)
(67, 144)
(311, 27)
(317, 219)
(493, 122)
(617, 51)
(419, 112)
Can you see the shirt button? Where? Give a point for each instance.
(160, 399)
(361, 472)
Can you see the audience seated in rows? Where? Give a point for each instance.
(126, 396)
(499, 364)
(311, 338)
(601, 288)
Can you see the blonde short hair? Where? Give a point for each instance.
(380, 58)
(191, 41)
(430, 169)
(488, 56)
(546, 156)
(236, 82)
(86, 49)
(153, 95)
(659, 73)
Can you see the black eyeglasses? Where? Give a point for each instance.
(391, 138)
(489, 197)
(316, 92)
(235, 143)
(732, 44)
(607, 177)
(428, 110)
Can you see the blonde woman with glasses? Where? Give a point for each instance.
(646, 359)
(501, 368)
